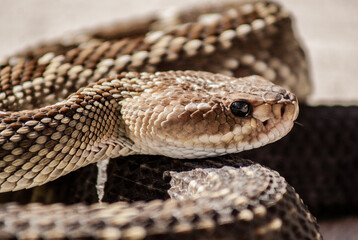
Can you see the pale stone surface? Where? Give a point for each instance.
(345, 228)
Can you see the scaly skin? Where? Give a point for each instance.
(46, 134)
(177, 114)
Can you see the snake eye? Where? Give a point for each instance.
(240, 108)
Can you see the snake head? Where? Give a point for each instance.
(199, 114)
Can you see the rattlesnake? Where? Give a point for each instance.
(155, 108)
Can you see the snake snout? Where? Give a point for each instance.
(289, 107)
(289, 96)
(274, 116)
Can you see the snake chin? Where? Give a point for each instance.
(275, 132)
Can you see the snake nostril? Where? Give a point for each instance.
(289, 96)
(265, 123)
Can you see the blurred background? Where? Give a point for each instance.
(328, 30)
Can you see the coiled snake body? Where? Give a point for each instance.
(65, 106)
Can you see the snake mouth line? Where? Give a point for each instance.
(253, 134)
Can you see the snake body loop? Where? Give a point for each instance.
(66, 105)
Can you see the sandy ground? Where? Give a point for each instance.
(328, 29)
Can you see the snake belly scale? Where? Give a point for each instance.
(65, 106)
